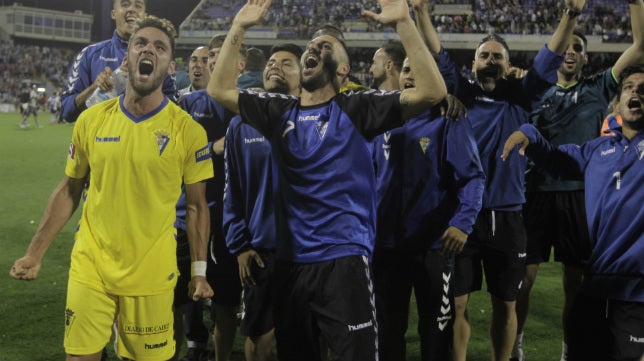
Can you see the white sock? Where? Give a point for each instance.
(564, 351)
(518, 342)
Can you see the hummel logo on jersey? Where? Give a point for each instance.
(636, 339)
(522, 255)
(254, 140)
(360, 326)
(156, 345)
(305, 118)
(198, 115)
(424, 143)
(608, 151)
(107, 59)
(163, 138)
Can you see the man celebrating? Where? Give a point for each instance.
(326, 182)
(613, 171)
(140, 148)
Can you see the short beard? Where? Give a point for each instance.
(324, 77)
(143, 91)
(376, 82)
(281, 88)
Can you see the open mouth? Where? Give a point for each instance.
(131, 19)
(408, 85)
(274, 76)
(146, 67)
(635, 104)
(311, 61)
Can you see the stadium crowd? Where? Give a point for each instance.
(20, 65)
(299, 18)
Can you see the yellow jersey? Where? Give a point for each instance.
(125, 243)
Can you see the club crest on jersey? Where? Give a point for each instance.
(163, 138)
(424, 143)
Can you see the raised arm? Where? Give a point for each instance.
(223, 80)
(430, 89)
(425, 26)
(60, 207)
(635, 53)
(559, 40)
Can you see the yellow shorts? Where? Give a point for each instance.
(144, 324)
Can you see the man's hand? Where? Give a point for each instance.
(104, 80)
(199, 289)
(453, 241)
(452, 108)
(515, 139)
(516, 73)
(251, 13)
(245, 260)
(25, 268)
(392, 12)
(420, 4)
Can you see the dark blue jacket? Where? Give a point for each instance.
(251, 185)
(429, 177)
(613, 170)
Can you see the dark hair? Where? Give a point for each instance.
(218, 40)
(494, 37)
(581, 35)
(288, 47)
(396, 52)
(331, 30)
(165, 25)
(334, 31)
(628, 71)
(255, 59)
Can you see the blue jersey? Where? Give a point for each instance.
(326, 176)
(251, 180)
(90, 62)
(495, 115)
(214, 118)
(429, 177)
(613, 170)
(571, 115)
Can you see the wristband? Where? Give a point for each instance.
(198, 268)
(571, 13)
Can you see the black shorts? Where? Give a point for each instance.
(429, 274)
(223, 270)
(626, 324)
(330, 303)
(257, 317)
(497, 242)
(557, 219)
(223, 277)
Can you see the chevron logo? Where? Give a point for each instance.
(441, 325)
(446, 310)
